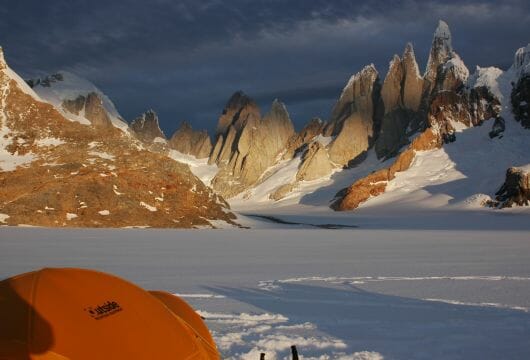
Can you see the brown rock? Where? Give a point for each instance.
(391, 89)
(315, 163)
(401, 93)
(515, 190)
(371, 185)
(92, 105)
(413, 83)
(352, 120)
(146, 127)
(375, 183)
(95, 112)
(281, 192)
(188, 141)
(314, 128)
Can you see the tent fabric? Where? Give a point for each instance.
(189, 316)
(58, 314)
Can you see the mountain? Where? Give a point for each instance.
(77, 99)
(452, 102)
(59, 170)
(445, 139)
(380, 131)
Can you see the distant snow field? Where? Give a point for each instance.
(335, 294)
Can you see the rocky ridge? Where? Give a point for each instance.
(57, 172)
(451, 99)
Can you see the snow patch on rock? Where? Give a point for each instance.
(487, 77)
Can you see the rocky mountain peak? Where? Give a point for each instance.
(238, 100)
(147, 127)
(442, 32)
(391, 90)
(191, 142)
(401, 93)
(359, 86)
(441, 50)
(413, 82)
(278, 112)
(355, 116)
(235, 112)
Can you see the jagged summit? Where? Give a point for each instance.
(443, 32)
(235, 112)
(278, 110)
(441, 51)
(237, 101)
(146, 127)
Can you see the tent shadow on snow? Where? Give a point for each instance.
(397, 327)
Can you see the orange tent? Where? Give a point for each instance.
(82, 314)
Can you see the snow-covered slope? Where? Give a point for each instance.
(64, 85)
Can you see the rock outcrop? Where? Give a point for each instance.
(376, 183)
(188, 141)
(147, 128)
(239, 111)
(355, 117)
(412, 88)
(441, 52)
(300, 140)
(401, 93)
(249, 145)
(315, 163)
(516, 188)
(91, 106)
(499, 125)
(59, 173)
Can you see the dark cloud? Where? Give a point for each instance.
(185, 58)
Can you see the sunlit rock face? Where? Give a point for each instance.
(146, 127)
(191, 142)
(247, 144)
(355, 117)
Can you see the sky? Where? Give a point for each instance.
(184, 59)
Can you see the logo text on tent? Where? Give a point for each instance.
(99, 312)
